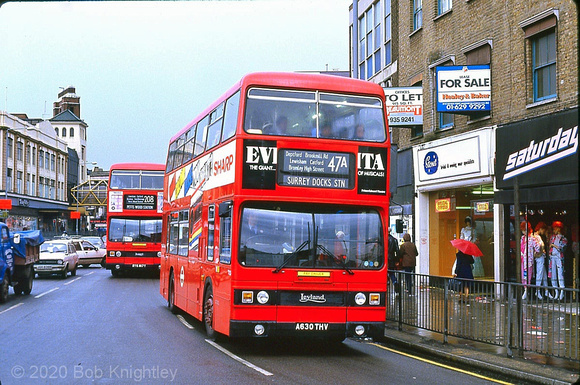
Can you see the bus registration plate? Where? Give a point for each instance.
(312, 326)
(138, 265)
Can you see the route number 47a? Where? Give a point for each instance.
(338, 162)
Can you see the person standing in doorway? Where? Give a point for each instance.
(558, 243)
(409, 255)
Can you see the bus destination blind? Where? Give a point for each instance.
(139, 202)
(302, 168)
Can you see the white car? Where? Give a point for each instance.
(57, 257)
(89, 253)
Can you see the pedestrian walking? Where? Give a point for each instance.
(529, 248)
(393, 261)
(558, 243)
(540, 258)
(463, 269)
(469, 233)
(409, 253)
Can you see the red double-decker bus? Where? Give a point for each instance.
(134, 217)
(276, 207)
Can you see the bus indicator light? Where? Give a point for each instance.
(247, 297)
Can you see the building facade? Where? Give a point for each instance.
(491, 77)
(34, 173)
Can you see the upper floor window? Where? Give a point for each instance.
(388, 43)
(444, 6)
(64, 132)
(28, 153)
(417, 14)
(370, 41)
(71, 132)
(544, 66)
(19, 150)
(9, 146)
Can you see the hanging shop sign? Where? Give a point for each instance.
(463, 89)
(404, 106)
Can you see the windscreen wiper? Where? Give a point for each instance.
(339, 260)
(291, 256)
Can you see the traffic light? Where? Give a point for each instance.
(399, 226)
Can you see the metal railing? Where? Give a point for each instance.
(490, 312)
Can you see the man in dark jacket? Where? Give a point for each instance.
(393, 260)
(408, 254)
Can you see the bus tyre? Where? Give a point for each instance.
(4, 289)
(208, 314)
(171, 295)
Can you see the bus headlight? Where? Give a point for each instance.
(263, 297)
(359, 330)
(247, 297)
(374, 299)
(118, 254)
(259, 330)
(360, 299)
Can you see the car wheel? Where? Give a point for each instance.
(103, 263)
(4, 289)
(73, 272)
(64, 272)
(208, 309)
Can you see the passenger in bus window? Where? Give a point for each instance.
(326, 131)
(359, 132)
(281, 127)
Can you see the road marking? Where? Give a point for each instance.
(92, 272)
(46, 292)
(239, 359)
(183, 321)
(69, 282)
(442, 365)
(12, 307)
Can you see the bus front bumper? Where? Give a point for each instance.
(322, 330)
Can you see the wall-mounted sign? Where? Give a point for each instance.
(463, 89)
(482, 207)
(452, 159)
(404, 105)
(443, 205)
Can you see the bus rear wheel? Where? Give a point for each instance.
(171, 295)
(208, 314)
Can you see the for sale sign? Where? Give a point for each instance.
(404, 106)
(463, 89)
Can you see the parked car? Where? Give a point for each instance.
(97, 241)
(89, 253)
(57, 257)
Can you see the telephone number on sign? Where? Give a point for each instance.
(401, 119)
(466, 106)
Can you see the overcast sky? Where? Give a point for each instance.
(143, 70)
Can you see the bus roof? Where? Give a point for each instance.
(294, 80)
(138, 166)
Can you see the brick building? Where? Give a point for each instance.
(518, 64)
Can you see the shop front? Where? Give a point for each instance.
(537, 169)
(453, 195)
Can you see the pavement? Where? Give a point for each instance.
(526, 368)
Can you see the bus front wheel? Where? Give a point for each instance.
(208, 314)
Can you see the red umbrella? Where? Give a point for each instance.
(467, 247)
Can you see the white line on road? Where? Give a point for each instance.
(92, 272)
(46, 292)
(183, 321)
(12, 307)
(69, 282)
(239, 359)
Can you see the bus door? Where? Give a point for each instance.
(195, 245)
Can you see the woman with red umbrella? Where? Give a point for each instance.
(463, 263)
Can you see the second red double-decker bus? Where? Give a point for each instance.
(134, 211)
(276, 210)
